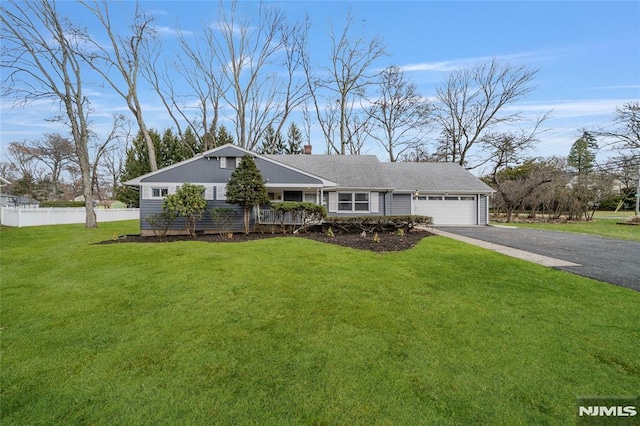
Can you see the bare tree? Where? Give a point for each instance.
(626, 132)
(56, 153)
(39, 52)
(504, 149)
(399, 114)
(250, 55)
(515, 184)
(124, 55)
(105, 146)
(26, 167)
(472, 102)
(113, 159)
(22, 158)
(341, 87)
(246, 65)
(200, 70)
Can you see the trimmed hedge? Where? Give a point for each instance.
(310, 209)
(66, 204)
(357, 224)
(305, 213)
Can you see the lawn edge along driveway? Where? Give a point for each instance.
(601, 258)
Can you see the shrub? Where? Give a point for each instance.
(305, 213)
(64, 204)
(222, 218)
(371, 224)
(635, 219)
(187, 202)
(161, 222)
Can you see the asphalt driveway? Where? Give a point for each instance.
(605, 259)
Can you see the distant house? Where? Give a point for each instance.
(8, 200)
(346, 185)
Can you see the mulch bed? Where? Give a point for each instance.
(388, 241)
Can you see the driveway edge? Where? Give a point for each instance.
(519, 254)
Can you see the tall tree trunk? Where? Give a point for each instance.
(509, 214)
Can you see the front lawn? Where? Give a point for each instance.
(294, 331)
(602, 227)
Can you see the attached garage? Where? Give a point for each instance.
(447, 209)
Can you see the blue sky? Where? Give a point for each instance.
(588, 53)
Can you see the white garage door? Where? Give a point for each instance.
(447, 209)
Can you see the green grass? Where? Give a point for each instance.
(293, 331)
(622, 214)
(602, 227)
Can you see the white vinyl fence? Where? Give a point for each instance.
(20, 217)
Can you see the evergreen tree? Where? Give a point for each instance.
(581, 157)
(191, 142)
(223, 136)
(169, 150)
(272, 143)
(136, 164)
(294, 140)
(246, 188)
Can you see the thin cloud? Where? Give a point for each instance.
(631, 86)
(171, 32)
(571, 108)
(454, 64)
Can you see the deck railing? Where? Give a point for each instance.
(269, 217)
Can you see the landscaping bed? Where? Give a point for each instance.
(387, 241)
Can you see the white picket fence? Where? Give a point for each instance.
(19, 217)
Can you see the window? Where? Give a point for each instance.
(275, 196)
(433, 198)
(353, 201)
(467, 198)
(451, 198)
(229, 162)
(345, 202)
(361, 202)
(159, 192)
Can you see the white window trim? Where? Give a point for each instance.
(208, 192)
(333, 202)
(374, 202)
(353, 202)
(160, 188)
(221, 192)
(223, 162)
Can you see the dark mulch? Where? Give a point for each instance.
(388, 241)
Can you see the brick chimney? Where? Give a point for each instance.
(307, 149)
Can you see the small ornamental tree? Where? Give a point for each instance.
(246, 188)
(187, 202)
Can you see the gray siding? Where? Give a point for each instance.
(229, 151)
(384, 203)
(279, 174)
(208, 170)
(151, 207)
(200, 170)
(482, 207)
(401, 204)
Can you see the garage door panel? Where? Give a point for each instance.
(452, 210)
